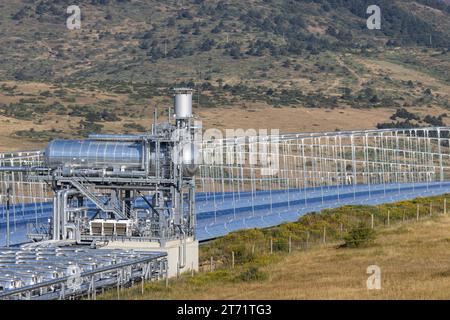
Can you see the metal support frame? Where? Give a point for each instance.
(123, 267)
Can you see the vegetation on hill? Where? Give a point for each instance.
(157, 40)
(405, 119)
(277, 53)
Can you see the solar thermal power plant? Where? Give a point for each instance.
(124, 208)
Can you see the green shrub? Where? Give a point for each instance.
(221, 275)
(359, 236)
(135, 126)
(252, 274)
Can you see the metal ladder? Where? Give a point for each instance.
(96, 200)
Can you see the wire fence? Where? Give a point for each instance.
(330, 228)
(326, 233)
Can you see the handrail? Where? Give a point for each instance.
(84, 274)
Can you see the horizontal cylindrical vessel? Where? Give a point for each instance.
(94, 154)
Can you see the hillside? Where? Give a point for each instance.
(268, 55)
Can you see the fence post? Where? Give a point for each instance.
(307, 240)
(324, 234)
(290, 244)
(271, 245)
(94, 290)
(232, 259)
(142, 287)
(445, 205)
(404, 214)
(211, 264)
(341, 229)
(253, 249)
(431, 209)
(389, 218)
(192, 269)
(418, 213)
(119, 279)
(371, 221)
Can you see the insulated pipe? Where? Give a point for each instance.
(103, 173)
(116, 137)
(182, 248)
(66, 194)
(55, 204)
(132, 174)
(56, 215)
(23, 169)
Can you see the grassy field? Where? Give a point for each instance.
(413, 257)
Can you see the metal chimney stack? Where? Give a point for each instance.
(183, 103)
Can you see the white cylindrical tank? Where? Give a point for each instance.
(183, 103)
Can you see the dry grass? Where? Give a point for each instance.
(400, 72)
(255, 116)
(293, 119)
(414, 259)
